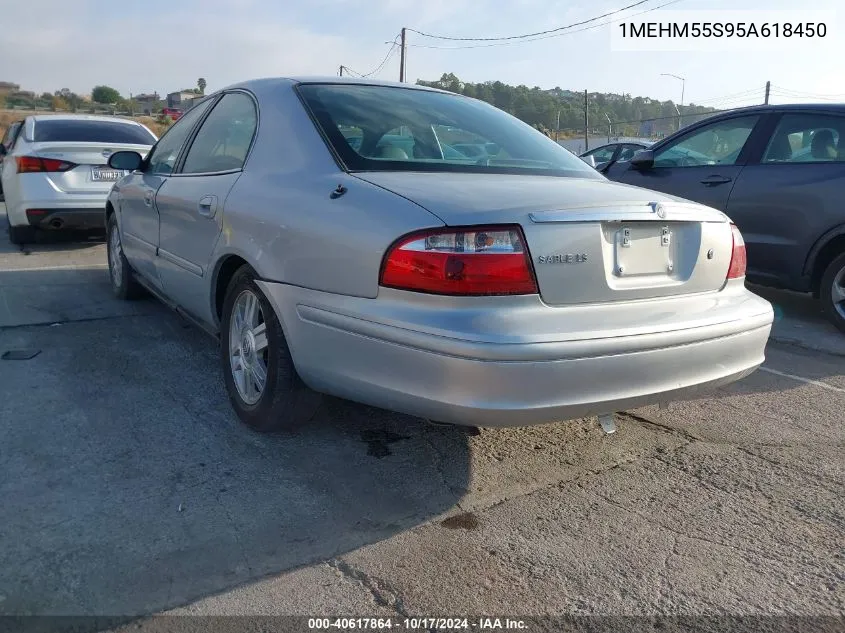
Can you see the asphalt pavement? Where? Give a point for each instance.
(129, 488)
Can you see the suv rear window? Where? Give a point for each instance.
(61, 131)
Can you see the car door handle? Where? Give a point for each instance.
(148, 198)
(207, 206)
(715, 180)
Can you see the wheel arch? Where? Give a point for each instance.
(824, 251)
(224, 270)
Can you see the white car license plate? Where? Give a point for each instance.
(106, 175)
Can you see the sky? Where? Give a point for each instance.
(165, 46)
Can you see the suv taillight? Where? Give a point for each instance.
(466, 261)
(738, 258)
(31, 164)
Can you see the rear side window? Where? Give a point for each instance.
(69, 131)
(807, 138)
(224, 138)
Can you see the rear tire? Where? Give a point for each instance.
(264, 388)
(832, 291)
(21, 234)
(123, 284)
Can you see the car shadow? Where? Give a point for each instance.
(129, 487)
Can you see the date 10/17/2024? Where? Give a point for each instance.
(411, 624)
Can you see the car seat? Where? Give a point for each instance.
(823, 146)
(391, 152)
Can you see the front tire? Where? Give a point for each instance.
(264, 388)
(123, 284)
(832, 292)
(21, 234)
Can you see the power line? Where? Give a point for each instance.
(378, 68)
(545, 37)
(806, 95)
(743, 94)
(526, 35)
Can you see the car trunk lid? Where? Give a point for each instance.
(91, 173)
(590, 240)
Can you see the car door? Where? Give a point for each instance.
(138, 215)
(191, 201)
(700, 165)
(790, 194)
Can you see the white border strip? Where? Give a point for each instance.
(809, 381)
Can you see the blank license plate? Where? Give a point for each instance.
(645, 250)
(107, 175)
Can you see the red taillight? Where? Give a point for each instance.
(738, 258)
(31, 164)
(467, 261)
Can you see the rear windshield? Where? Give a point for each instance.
(383, 128)
(60, 131)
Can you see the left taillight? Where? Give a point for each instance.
(32, 164)
(466, 261)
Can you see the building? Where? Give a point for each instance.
(180, 99)
(148, 101)
(7, 87)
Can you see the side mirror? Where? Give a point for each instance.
(643, 159)
(127, 161)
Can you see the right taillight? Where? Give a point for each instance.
(467, 261)
(738, 258)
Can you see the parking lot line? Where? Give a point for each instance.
(809, 381)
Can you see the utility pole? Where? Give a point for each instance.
(402, 57)
(586, 122)
(768, 86)
(609, 127)
(557, 126)
(340, 73)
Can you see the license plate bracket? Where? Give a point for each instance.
(647, 249)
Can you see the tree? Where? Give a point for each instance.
(105, 94)
(201, 84)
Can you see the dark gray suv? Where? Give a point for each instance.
(779, 173)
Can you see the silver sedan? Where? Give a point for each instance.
(345, 237)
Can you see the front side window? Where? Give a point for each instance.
(163, 156)
(628, 152)
(225, 137)
(10, 135)
(807, 138)
(387, 128)
(602, 154)
(719, 143)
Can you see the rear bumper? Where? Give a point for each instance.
(78, 212)
(373, 357)
(35, 191)
(70, 219)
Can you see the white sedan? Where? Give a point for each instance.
(55, 173)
